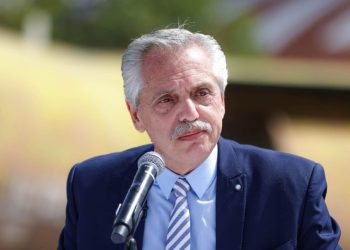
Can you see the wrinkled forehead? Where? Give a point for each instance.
(158, 60)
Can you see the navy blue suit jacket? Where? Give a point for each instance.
(280, 205)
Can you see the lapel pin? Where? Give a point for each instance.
(238, 187)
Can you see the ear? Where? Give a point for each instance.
(138, 124)
(223, 104)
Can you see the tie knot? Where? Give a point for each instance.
(181, 187)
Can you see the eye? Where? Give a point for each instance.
(165, 99)
(202, 92)
(164, 103)
(203, 96)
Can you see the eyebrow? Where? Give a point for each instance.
(171, 91)
(161, 93)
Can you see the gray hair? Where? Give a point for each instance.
(167, 39)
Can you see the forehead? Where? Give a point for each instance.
(171, 70)
(171, 63)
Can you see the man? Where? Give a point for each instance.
(233, 196)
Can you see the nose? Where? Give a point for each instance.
(188, 111)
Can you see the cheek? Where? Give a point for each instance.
(213, 115)
(157, 128)
(219, 109)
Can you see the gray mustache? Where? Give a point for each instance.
(190, 126)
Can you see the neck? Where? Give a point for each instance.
(183, 166)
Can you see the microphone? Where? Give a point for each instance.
(129, 213)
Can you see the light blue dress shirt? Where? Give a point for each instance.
(201, 202)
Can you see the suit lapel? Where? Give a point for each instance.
(230, 198)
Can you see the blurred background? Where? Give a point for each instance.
(61, 98)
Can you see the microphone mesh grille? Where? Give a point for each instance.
(152, 157)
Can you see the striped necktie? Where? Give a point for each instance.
(179, 230)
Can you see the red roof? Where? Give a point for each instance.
(301, 28)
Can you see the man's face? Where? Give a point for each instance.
(180, 89)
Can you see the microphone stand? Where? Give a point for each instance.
(130, 243)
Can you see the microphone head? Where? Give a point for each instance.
(152, 158)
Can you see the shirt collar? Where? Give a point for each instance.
(199, 179)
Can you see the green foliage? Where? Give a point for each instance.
(115, 22)
(237, 35)
(112, 23)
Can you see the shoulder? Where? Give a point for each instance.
(283, 177)
(269, 164)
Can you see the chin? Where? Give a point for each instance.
(199, 150)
